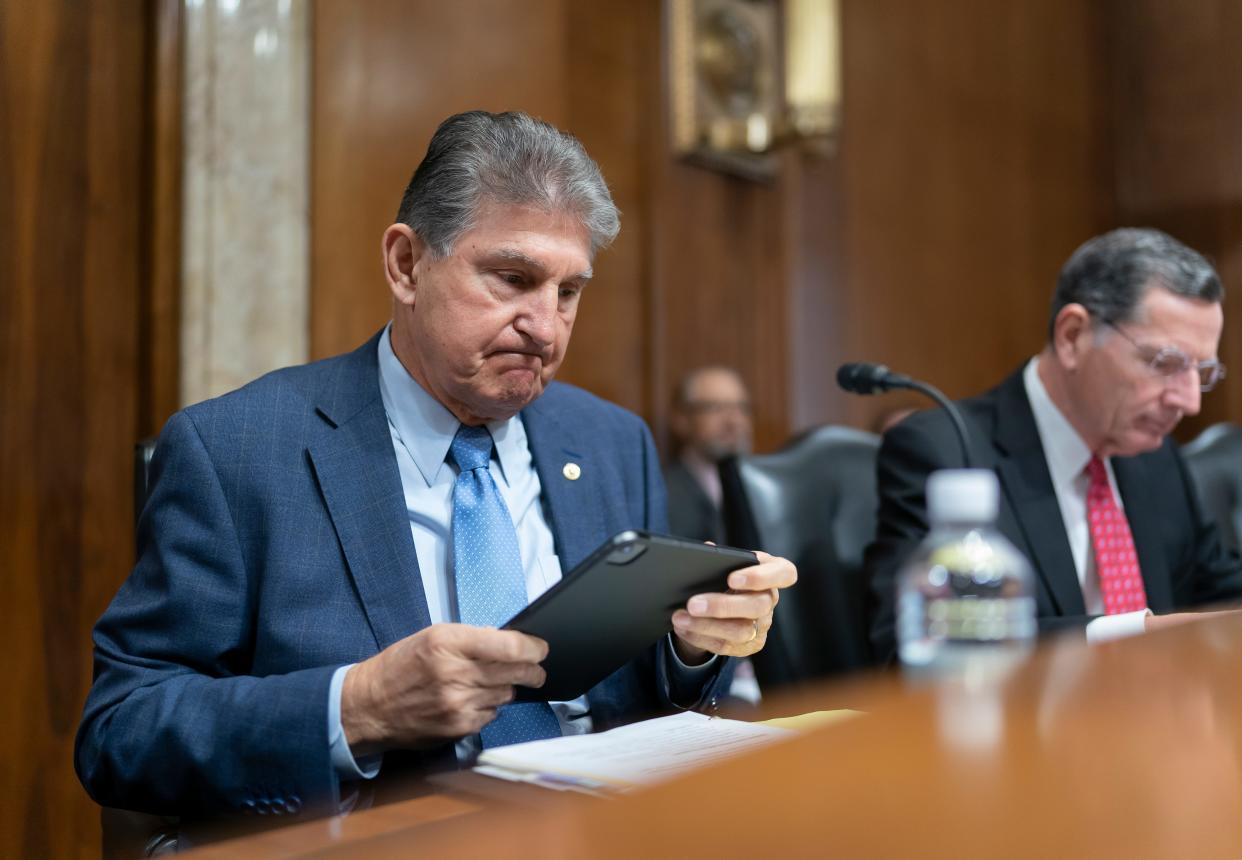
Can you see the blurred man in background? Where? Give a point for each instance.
(711, 421)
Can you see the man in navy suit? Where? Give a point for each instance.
(1079, 436)
(291, 624)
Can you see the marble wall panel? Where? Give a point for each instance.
(246, 211)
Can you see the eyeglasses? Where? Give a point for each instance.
(1169, 361)
(718, 407)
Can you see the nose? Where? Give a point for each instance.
(537, 318)
(1183, 392)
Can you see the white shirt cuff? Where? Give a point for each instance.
(342, 758)
(1106, 628)
(685, 672)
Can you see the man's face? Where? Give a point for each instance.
(485, 328)
(1125, 406)
(715, 419)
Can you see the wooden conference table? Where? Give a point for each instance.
(1130, 749)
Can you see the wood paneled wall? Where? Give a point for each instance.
(384, 74)
(982, 142)
(976, 159)
(72, 251)
(697, 274)
(1178, 118)
(976, 154)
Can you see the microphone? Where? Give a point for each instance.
(863, 377)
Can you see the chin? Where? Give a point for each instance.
(1142, 443)
(512, 399)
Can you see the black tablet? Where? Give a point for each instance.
(620, 600)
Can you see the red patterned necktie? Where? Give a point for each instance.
(1121, 583)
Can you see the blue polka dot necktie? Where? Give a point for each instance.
(491, 585)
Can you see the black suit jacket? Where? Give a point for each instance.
(691, 514)
(1183, 562)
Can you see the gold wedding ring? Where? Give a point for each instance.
(754, 633)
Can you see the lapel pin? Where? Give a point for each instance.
(572, 471)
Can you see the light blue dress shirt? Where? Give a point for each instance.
(422, 430)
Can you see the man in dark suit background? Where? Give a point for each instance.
(711, 420)
(1079, 440)
(313, 540)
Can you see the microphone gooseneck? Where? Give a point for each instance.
(864, 377)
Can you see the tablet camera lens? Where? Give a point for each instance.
(626, 552)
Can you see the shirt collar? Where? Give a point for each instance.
(426, 428)
(1067, 454)
(705, 472)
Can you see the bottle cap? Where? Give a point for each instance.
(962, 496)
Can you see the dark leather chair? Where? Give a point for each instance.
(127, 834)
(813, 502)
(143, 452)
(1215, 463)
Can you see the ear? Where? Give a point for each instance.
(403, 250)
(1072, 335)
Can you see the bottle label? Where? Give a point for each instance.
(981, 619)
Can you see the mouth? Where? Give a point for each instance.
(517, 361)
(1158, 427)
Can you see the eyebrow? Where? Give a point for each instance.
(511, 255)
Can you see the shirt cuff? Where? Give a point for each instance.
(684, 672)
(342, 758)
(1106, 628)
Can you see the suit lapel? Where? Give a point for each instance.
(573, 505)
(357, 471)
(1135, 485)
(1023, 471)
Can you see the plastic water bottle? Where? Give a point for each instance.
(965, 599)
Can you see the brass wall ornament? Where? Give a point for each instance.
(747, 76)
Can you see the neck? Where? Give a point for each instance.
(693, 457)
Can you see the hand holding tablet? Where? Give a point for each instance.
(620, 600)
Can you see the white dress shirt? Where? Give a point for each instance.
(706, 473)
(1067, 456)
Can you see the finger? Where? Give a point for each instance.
(487, 644)
(471, 722)
(746, 605)
(736, 631)
(492, 698)
(682, 618)
(769, 573)
(508, 674)
(711, 644)
(464, 701)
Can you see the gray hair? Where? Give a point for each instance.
(479, 157)
(1110, 274)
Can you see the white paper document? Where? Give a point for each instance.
(638, 754)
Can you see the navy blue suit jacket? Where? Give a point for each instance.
(1180, 554)
(274, 548)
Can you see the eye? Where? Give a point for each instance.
(515, 279)
(1170, 362)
